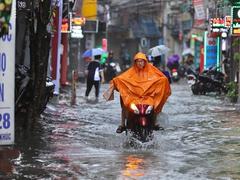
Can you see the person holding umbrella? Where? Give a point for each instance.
(173, 62)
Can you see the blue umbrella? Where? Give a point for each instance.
(93, 52)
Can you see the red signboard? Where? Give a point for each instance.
(228, 21)
(65, 28)
(217, 22)
(104, 44)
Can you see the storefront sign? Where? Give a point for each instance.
(220, 25)
(211, 50)
(7, 79)
(235, 2)
(76, 27)
(216, 22)
(235, 11)
(104, 44)
(78, 21)
(227, 21)
(91, 26)
(65, 28)
(89, 9)
(76, 32)
(199, 12)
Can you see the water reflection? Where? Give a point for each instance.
(6, 165)
(134, 167)
(200, 141)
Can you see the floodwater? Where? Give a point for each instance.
(201, 140)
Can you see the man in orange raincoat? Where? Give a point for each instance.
(141, 84)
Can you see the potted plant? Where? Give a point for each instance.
(232, 93)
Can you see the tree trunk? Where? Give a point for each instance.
(39, 52)
(238, 82)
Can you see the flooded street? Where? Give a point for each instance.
(201, 141)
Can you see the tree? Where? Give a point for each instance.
(5, 12)
(40, 38)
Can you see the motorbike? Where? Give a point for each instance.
(24, 89)
(210, 80)
(181, 71)
(140, 122)
(174, 75)
(49, 92)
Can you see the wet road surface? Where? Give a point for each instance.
(201, 140)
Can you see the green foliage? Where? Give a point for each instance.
(236, 56)
(232, 93)
(5, 13)
(236, 44)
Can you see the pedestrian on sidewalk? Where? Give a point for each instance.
(93, 72)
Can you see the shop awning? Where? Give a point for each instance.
(117, 29)
(145, 27)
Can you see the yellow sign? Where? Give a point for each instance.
(236, 31)
(79, 21)
(89, 9)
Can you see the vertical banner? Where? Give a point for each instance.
(211, 50)
(201, 57)
(199, 18)
(7, 79)
(89, 9)
(197, 52)
(104, 44)
(57, 48)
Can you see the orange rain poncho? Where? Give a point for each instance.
(143, 86)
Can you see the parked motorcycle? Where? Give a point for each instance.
(140, 122)
(181, 71)
(49, 91)
(210, 80)
(24, 89)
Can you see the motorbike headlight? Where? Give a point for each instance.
(134, 108)
(149, 110)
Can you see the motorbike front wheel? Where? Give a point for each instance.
(143, 134)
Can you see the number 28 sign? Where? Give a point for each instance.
(4, 121)
(7, 78)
